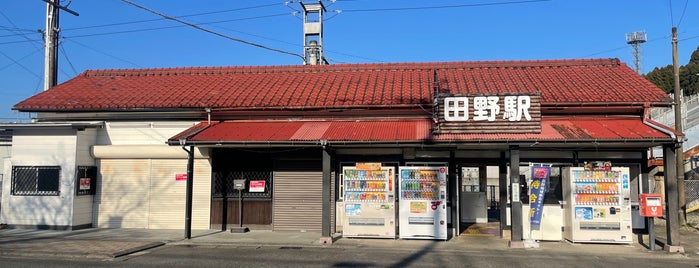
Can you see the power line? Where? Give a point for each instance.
(619, 48)
(211, 32)
(65, 55)
(683, 10)
(20, 65)
(13, 24)
(20, 59)
(103, 53)
(441, 7)
(171, 27)
(183, 16)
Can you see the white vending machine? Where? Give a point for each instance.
(598, 206)
(422, 206)
(369, 201)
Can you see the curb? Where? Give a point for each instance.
(136, 249)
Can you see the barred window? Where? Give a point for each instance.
(36, 180)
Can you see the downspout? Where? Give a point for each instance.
(189, 190)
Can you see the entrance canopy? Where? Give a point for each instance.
(612, 130)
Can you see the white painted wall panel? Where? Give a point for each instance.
(82, 205)
(4, 157)
(122, 193)
(168, 196)
(201, 195)
(140, 133)
(45, 147)
(158, 201)
(85, 140)
(82, 210)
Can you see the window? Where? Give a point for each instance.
(36, 180)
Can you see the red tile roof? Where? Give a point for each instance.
(560, 82)
(554, 129)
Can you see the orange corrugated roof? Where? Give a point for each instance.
(554, 129)
(560, 82)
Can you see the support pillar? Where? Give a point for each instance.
(454, 189)
(516, 204)
(645, 188)
(672, 207)
(502, 182)
(326, 236)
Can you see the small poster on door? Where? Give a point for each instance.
(84, 184)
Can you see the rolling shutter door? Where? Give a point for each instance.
(122, 194)
(297, 196)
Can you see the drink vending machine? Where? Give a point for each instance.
(598, 205)
(422, 206)
(369, 201)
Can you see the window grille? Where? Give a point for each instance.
(36, 180)
(224, 185)
(86, 180)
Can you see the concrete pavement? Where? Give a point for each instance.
(113, 243)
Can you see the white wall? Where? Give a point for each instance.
(5, 151)
(82, 205)
(137, 186)
(140, 133)
(144, 193)
(41, 147)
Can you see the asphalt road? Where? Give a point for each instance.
(269, 256)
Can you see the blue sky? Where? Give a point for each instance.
(111, 34)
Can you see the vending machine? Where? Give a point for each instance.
(598, 207)
(369, 201)
(422, 205)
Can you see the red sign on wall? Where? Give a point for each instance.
(180, 177)
(257, 187)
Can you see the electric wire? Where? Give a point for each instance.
(13, 24)
(65, 56)
(672, 19)
(183, 16)
(20, 65)
(623, 47)
(683, 10)
(174, 26)
(212, 32)
(20, 59)
(102, 52)
(442, 7)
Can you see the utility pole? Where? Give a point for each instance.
(51, 42)
(678, 126)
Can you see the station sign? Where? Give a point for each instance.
(491, 113)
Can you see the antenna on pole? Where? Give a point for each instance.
(51, 42)
(635, 39)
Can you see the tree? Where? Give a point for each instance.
(689, 78)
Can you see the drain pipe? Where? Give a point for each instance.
(190, 184)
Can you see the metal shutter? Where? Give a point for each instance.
(297, 196)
